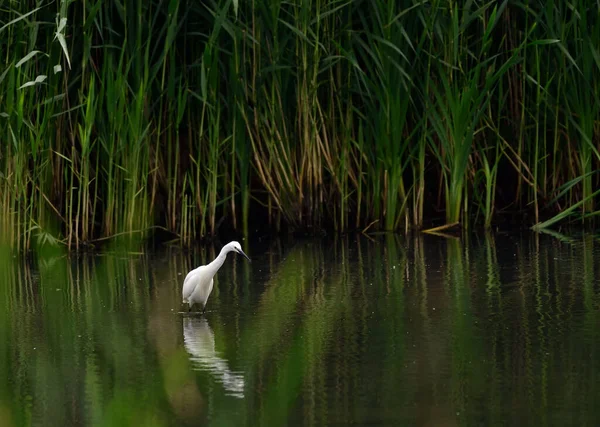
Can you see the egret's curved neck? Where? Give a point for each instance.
(218, 261)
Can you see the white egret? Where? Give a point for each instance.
(198, 283)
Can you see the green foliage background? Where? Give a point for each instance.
(120, 117)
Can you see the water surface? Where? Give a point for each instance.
(429, 331)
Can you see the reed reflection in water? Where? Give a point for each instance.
(492, 330)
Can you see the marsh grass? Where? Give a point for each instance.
(120, 118)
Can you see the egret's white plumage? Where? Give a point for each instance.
(198, 283)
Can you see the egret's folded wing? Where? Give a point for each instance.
(203, 288)
(189, 284)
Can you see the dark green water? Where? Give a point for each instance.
(481, 331)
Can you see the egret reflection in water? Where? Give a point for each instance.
(199, 341)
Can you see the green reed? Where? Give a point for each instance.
(564, 75)
(346, 114)
(387, 96)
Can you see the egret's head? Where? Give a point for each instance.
(236, 247)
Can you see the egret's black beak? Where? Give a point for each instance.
(241, 252)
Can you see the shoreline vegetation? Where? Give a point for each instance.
(126, 117)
